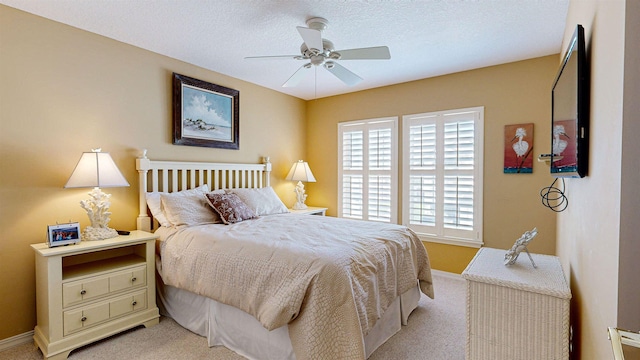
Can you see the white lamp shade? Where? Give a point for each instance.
(300, 171)
(96, 169)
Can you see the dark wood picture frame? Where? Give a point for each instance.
(205, 114)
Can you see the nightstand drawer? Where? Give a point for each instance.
(76, 292)
(88, 316)
(128, 304)
(79, 319)
(128, 279)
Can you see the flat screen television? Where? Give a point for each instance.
(570, 112)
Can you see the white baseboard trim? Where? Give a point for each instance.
(16, 340)
(446, 274)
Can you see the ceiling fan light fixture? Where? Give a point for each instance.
(317, 60)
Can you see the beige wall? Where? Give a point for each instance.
(597, 235)
(629, 266)
(64, 91)
(513, 93)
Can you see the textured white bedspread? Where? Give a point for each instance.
(329, 279)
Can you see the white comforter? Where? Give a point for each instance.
(329, 279)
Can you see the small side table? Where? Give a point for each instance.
(92, 290)
(311, 210)
(516, 311)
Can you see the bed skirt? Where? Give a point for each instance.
(238, 331)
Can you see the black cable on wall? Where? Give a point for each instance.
(553, 197)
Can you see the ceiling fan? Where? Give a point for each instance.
(319, 51)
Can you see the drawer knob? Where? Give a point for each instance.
(84, 318)
(83, 291)
(134, 303)
(133, 279)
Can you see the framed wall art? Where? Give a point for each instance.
(205, 114)
(518, 149)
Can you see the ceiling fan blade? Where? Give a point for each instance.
(342, 73)
(312, 37)
(272, 57)
(371, 53)
(297, 76)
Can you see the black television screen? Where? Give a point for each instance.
(570, 112)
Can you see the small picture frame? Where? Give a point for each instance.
(63, 234)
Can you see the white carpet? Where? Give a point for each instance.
(436, 330)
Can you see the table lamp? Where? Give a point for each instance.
(300, 172)
(96, 169)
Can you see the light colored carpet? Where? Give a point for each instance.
(436, 330)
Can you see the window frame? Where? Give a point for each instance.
(438, 233)
(366, 126)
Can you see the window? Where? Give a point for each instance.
(442, 175)
(367, 170)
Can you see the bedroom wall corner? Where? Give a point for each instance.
(449, 258)
(65, 91)
(512, 93)
(597, 234)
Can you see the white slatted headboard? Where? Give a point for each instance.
(170, 176)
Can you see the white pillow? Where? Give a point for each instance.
(188, 208)
(262, 201)
(154, 202)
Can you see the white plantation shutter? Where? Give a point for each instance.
(379, 207)
(352, 179)
(353, 196)
(422, 200)
(353, 149)
(458, 202)
(442, 177)
(422, 182)
(367, 170)
(459, 162)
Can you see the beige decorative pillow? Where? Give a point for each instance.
(154, 202)
(155, 206)
(263, 201)
(230, 208)
(188, 208)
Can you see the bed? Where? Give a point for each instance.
(237, 268)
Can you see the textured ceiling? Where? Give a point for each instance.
(426, 38)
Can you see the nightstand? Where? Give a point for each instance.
(92, 290)
(311, 210)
